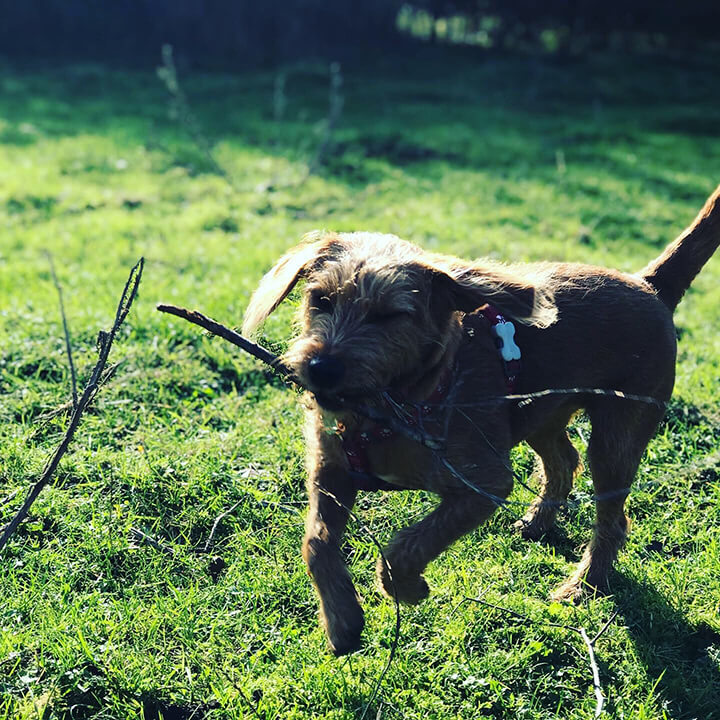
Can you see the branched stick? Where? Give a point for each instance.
(217, 522)
(276, 363)
(68, 346)
(104, 343)
(589, 644)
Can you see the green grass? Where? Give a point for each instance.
(602, 161)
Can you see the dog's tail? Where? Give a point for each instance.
(672, 272)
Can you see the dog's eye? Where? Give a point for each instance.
(321, 304)
(382, 318)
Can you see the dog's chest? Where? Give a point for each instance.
(402, 462)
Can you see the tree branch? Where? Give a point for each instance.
(105, 341)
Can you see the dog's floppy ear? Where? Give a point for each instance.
(518, 295)
(282, 278)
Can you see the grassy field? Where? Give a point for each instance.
(603, 160)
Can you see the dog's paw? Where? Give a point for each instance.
(410, 589)
(575, 589)
(528, 529)
(571, 592)
(344, 630)
(535, 524)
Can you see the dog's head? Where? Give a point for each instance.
(378, 311)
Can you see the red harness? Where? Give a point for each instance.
(356, 445)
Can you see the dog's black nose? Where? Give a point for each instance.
(326, 371)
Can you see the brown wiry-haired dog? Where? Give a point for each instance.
(426, 337)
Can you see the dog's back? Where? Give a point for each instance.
(615, 330)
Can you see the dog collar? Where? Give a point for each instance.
(356, 444)
(504, 333)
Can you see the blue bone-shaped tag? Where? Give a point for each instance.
(505, 332)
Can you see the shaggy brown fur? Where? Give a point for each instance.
(381, 313)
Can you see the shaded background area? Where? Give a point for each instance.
(220, 32)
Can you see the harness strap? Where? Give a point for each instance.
(356, 445)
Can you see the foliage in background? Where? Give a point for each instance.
(577, 25)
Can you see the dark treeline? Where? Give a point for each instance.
(240, 32)
(202, 31)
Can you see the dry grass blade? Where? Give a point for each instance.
(66, 331)
(105, 341)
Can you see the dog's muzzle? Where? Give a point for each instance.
(326, 371)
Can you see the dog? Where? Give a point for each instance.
(438, 343)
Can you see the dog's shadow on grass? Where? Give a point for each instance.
(682, 658)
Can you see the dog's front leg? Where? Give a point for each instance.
(340, 612)
(414, 547)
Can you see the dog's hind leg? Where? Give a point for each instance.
(619, 437)
(561, 463)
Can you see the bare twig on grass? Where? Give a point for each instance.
(68, 346)
(104, 343)
(599, 697)
(9, 497)
(239, 690)
(144, 537)
(335, 106)
(515, 614)
(43, 419)
(602, 630)
(589, 644)
(217, 522)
